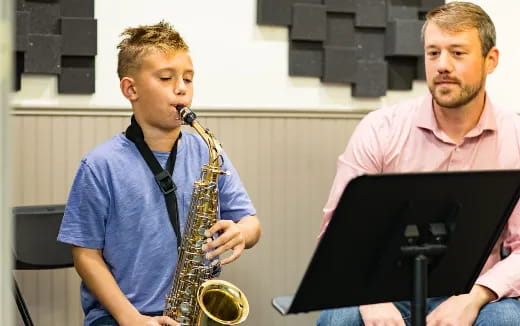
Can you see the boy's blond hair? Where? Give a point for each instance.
(140, 41)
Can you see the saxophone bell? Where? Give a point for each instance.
(222, 303)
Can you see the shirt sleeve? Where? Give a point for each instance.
(233, 198)
(363, 155)
(504, 277)
(86, 211)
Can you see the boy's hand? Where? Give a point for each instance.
(230, 237)
(154, 321)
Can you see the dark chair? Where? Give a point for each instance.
(35, 245)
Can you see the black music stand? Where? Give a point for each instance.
(406, 236)
(36, 246)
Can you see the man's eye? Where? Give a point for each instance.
(458, 53)
(187, 80)
(432, 53)
(165, 78)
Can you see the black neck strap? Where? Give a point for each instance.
(162, 177)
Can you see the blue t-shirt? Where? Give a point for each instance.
(116, 205)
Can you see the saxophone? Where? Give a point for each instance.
(196, 297)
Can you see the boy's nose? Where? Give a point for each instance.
(180, 88)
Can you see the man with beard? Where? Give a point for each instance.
(454, 128)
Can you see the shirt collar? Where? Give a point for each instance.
(425, 118)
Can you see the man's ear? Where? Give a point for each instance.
(492, 60)
(127, 85)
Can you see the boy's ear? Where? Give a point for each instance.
(127, 85)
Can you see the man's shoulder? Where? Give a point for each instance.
(401, 108)
(507, 116)
(396, 114)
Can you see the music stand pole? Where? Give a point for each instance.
(420, 290)
(420, 255)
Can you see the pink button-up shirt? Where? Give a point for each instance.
(406, 138)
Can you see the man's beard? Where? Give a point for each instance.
(459, 97)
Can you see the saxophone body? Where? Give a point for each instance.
(196, 297)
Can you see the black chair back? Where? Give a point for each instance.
(36, 230)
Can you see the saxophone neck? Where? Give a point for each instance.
(214, 147)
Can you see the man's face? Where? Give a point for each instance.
(455, 68)
(163, 82)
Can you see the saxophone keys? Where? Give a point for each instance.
(202, 231)
(185, 308)
(184, 320)
(188, 291)
(199, 244)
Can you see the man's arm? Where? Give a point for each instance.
(461, 310)
(94, 272)
(363, 155)
(235, 236)
(499, 281)
(381, 314)
(503, 278)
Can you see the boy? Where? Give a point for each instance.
(124, 246)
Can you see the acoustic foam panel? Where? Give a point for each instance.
(278, 12)
(371, 79)
(43, 54)
(343, 6)
(79, 36)
(57, 37)
(338, 65)
(306, 59)
(401, 72)
(20, 5)
(45, 17)
(399, 10)
(77, 75)
(403, 38)
(22, 30)
(77, 8)
(427, 5)
(370, 43)
(19, 63)
(420, 69)
(309, 22)
(361, 36)
(371, 13)
(340, 30)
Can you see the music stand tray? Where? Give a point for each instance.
(383, 222)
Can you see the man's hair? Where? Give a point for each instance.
(460, 16)
(140, 41)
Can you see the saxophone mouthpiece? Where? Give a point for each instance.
(186, 114)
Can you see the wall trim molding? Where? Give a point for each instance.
(201, 111)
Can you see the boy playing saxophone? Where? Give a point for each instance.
(124, 245)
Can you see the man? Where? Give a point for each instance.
(455, 127)
(124, 246)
